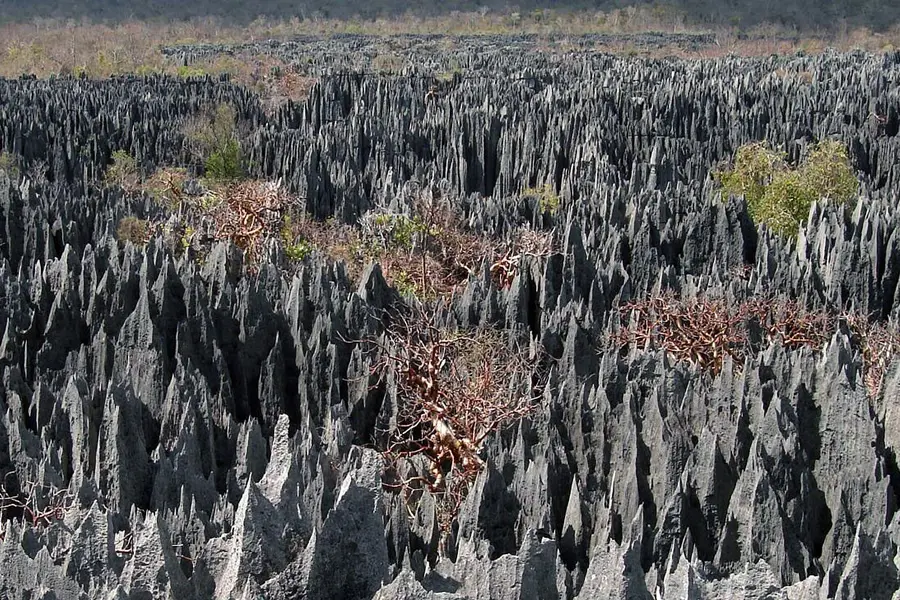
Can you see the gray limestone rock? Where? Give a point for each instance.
(213, 425)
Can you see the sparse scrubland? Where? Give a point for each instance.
(541, 307)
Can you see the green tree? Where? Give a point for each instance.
(780, 196)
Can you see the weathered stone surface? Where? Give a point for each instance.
(207, 422)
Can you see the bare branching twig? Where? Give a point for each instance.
(37, 505)
(704, 331)
(454, 390)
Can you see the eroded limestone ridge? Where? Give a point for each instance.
(187, 426)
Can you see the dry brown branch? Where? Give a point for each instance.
(701, 331)
(704, 331)
(790, 322)
(166, 186)
(880, 345)
(453, 391)
(525, 242)
(249, 213)
(39, 506)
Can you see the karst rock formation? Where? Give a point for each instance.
(206, 423)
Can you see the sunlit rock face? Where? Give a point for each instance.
(197, 427)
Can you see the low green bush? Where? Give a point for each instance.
(548, 199)
(10, 164)
(124, 171)
(213, 140)
(295, 248)
(187, 72)
(781, 196)
(226, 163)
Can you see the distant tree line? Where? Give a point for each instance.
(804, 15)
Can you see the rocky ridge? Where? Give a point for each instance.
(198, 416)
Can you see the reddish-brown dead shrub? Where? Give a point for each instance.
(704, 331)
(454, 390)
(789, 322)
(248, 213)
(39, 506)
(425, 251)
(525, 242)
(880, 345)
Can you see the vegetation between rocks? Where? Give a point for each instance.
(780, 196)
(29, 502)
(424, 248)
(454, 389)
(706, 332)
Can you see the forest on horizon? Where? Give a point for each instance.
(802, 15)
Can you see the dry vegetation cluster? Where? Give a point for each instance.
(99, 51)
(422, 244)
(707, 332)
(454, 389)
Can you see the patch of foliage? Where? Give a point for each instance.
(187, 72)
(186, 238)
(406, 284)
(295, 248)
(397, 230)
(387, 64)
(166, 186)
(9, 164)
(548, 199)
(706, 331)
(134, 230)
(781, 196)
(124, 171)
(226, 163)
(213, 140)
(880, 346)
(454, 390)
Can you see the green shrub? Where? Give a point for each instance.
(186, 238)
(780, 196)
(134, 230)
(386, 230)
(406, 284)
(9, 164)
(754, 167)
(124, 171)
(213, 139)
(828, 169)
(296, 249)
(186, 72)
(548, 199)
(226, 163)
(785, 203)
